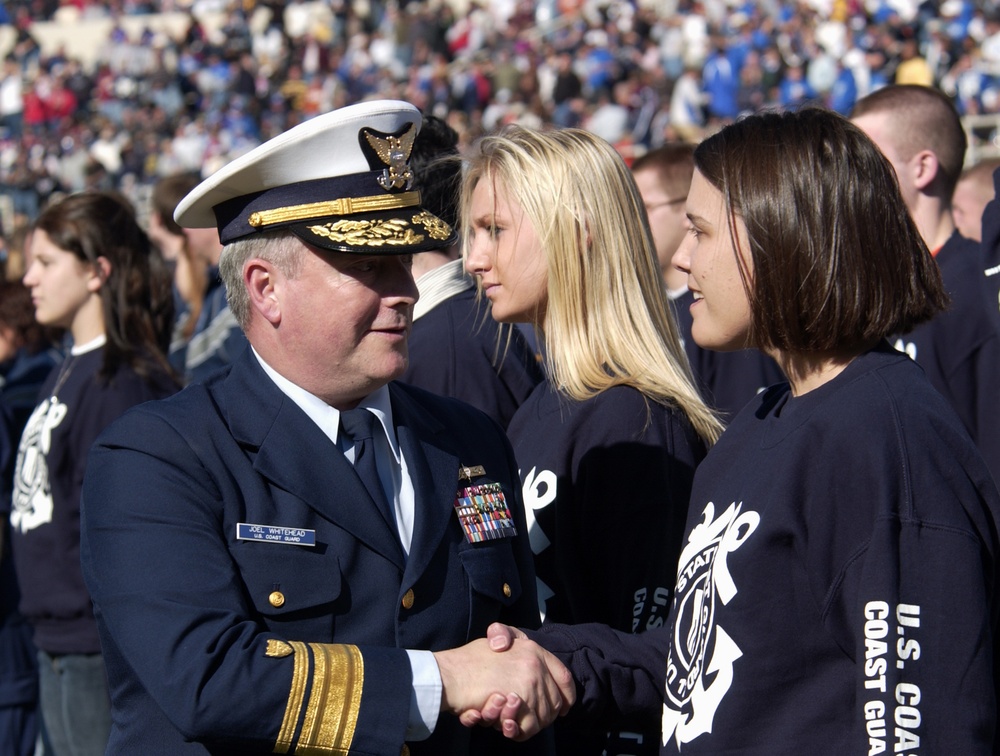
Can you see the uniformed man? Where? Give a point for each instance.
(260, 563)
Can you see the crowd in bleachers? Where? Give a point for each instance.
(637, 74)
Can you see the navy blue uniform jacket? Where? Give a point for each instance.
(223, 646)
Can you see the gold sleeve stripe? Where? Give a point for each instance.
(342, 206)
(335, 701)
(296, 695)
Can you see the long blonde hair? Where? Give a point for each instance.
(607, 321)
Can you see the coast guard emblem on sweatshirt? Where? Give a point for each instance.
(700, 650)
(32, 503)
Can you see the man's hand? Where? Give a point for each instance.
(500, 712)
(474, 676)
(502, 637)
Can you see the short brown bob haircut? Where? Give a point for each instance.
(836, 262)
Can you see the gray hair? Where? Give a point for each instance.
(280, 247)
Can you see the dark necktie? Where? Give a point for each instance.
(360, 426)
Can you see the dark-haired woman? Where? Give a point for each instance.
(92, 273)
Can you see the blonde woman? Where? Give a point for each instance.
(556, 232)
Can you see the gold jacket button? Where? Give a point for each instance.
(405, 750)
(506, 590)
(408, 599)
(276, 599)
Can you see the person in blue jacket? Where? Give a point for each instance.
(721, 81)
(27, 356)
(608, 444)
(268, 576)
(836, 590)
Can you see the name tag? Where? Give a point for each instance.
(246, 531)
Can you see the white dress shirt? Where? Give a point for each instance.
(425, 697)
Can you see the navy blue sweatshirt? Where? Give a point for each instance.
(76, 405)
(837, 590)
(606, 484)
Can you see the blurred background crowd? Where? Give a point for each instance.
(121, 94)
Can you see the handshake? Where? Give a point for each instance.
(505, 681)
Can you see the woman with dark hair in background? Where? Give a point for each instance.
(93, 272)
(28, 351)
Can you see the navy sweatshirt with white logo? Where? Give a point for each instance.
(837, 589)
(606, 483)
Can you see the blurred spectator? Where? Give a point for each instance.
(794, 89)
(913, 69)
(973, 192)
(566, 92)
(844, 92)
(14, 244)
(720, 79)
(27, 353)
(969, 84)
(687, 111)
(26, 357)
(11, 99)
(190, 271)
(216, 339)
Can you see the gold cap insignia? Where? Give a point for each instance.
(394, 151)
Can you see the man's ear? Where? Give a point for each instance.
(260, 278)
(925, 168)
(102, 269)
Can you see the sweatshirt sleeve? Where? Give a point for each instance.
(619, 676)
(921, 635)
